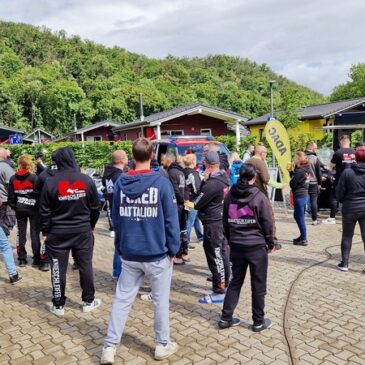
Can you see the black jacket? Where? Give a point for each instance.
(193, 182)
(110, 176)
(40, 168)
(247, 218)
(209, 203)
(299, 183)
(23, 196)
(177, 178)
(314, 167)
(350, 189)
(45, 174)
(69, 199)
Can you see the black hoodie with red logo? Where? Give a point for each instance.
(69, 199)
(23, 197)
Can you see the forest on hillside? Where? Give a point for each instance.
(48, 79)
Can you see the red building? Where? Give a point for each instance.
(195, 119)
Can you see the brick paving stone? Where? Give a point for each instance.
(322, 319)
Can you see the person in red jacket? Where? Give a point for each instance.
(23, 198)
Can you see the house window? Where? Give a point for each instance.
(94, 138)
(206, 132)
(166, 134)
(261, 134)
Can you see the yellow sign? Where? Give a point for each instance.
(278, 139)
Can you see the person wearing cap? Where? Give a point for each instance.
(209, 205)
(39, 163)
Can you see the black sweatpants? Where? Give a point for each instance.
(257, 260)
(184, 242)
(217, 254)
(58, 247)
(109, 210)
(333, 202)
(313, 200)
(348, 227)
(22, 221)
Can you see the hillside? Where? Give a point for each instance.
(48, 78)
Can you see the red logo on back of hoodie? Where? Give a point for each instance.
(22, 185)
(74, 191)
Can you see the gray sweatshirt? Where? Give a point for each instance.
(6, 172)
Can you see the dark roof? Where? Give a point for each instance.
(318, 111)
(6, 128)
(90, 127)
(170, 114)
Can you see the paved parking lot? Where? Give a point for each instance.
(318, 312)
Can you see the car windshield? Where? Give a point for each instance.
(198, 150)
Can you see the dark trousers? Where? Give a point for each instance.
(333, 202)
(313, 200)
(22, 220)
(257, 260)
(299, 215)
(58, 249)
(109, 209)
(184, 242)
(348, 227)
(217, 254)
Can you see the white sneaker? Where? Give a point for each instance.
(107, 356)
(147, 297)
(329, 221)
(58, 311)
(315, 223)
(112, 234)
(164, 351)
(88, 307)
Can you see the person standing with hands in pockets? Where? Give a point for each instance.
(248, 226)
(147, 233)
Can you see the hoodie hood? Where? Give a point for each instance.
(110, 172)
(22, 174)
(359, 168)
(65, 160)
(175, 165)
(243, 193)
(302, 169)
(133, 186)
(221, 176)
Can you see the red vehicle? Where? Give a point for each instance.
(182, 145)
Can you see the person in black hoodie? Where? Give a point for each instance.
(40, 164)
(177, 178)
(350, 191)
(69, 210)
(299, 185)
(23, 198)
(210, 211)
(111, 174)
(249, 227)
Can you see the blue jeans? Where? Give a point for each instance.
(117, 264)
(7, 252)
(193, 220)
(299, 215)
(159, 275)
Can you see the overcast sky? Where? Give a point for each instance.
(313, 42)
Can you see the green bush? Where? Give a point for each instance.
(91, 154)
(356, 137)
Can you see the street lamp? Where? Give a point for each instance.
(271, 82)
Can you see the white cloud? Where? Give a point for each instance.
(311, 42)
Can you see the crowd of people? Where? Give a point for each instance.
(152, 207)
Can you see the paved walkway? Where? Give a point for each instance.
(322, 322)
